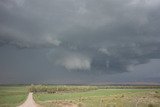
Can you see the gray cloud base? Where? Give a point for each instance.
(99, 36)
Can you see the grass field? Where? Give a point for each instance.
(102, 98)
(82, 96)
(11, 96)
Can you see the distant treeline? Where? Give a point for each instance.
(129, 87)
(66, 88)
(55, 89)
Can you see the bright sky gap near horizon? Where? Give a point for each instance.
(79, 41)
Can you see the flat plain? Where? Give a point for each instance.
(82, 96)
(12, 96)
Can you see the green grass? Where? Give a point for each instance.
(96, 98)
(12, 96)
(71, 96)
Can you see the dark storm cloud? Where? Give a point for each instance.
(104, 36)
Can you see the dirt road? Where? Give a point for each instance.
(29, 102)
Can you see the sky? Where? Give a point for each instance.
(79, 41)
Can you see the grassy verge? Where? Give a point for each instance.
(12, 96)
(103, 98)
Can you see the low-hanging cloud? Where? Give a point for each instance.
(75, 62)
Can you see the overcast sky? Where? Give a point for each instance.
(79, 41)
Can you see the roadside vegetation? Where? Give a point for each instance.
(99, 96)
(60, 88)
(12, 96)
(72, 88)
